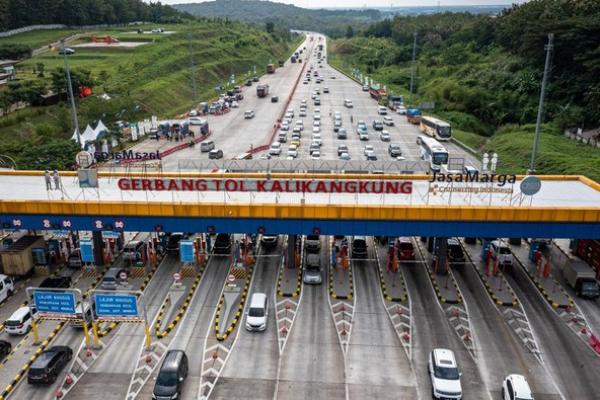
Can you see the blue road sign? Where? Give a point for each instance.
(54, 302)
(186, 251)
(118, 305)
(87, 251)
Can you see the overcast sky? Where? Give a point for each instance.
(374, 3)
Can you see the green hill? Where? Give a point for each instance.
(154, 78)
(331, 22)
(484, 73)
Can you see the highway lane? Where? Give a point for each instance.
(251, 370)
(192, 332)
(431, 330)
(500, 351)
(570, 361)
(378, 367)
(312, 364)
(111, 372)
(234, 134)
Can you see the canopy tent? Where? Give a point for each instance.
(100, 129)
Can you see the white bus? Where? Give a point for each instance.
(436, 128)
(433, 152)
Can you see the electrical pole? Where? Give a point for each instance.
(540, 112)
(412, 71)
(193, 67)
(70, 91)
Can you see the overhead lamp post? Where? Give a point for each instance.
(70, 91)
(540, 112)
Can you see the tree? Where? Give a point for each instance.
(270, 27)
(40, 69)
(349, 31)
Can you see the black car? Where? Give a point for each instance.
(171, 376)
(455, 251)
(5, 349)
(173, 243)
(359, 247)
(255, 79)
(56, 282)
(222, 243)
(274, 99)
(378, 125)
(312, 243)
(249, 82)
(47, 366)
(268, 241)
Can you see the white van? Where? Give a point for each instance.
(207, 146)
(258, 312)
(275, 149)
(502, 253)
(7, 287)
(20, 322)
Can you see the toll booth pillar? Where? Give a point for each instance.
(430, 244)
(440, 252)
(291, 251)
(98, 246)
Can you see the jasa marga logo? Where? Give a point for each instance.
(474, 177)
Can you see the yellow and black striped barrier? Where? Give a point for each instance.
(23, 371)
(332, 292)
(161, 334)
(238, 313)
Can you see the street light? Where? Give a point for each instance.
(70, 91)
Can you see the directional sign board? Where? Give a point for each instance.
(116, 306)
(55, 304)
(186, 251)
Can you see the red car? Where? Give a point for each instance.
(406, 250)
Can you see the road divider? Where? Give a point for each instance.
(180, 313)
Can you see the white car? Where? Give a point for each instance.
(193, 113)
(316, 155)
(292, 151)
(365, 88)
(249, 114)
(381, 110)
(317, 122)
(348, 103)
(316, 129)
(401, 110)
(291, 112)
(388, 121)
(257, 314)
(444, 374)
(303, 102)
(515, 387)
(284, 127)
(317, 110)
(302, 112)
(368, 148)
(385, 136)
(275, 149)
(300, 124)
(235, 104)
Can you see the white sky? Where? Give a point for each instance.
(375, 3)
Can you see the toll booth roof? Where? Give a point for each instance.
(558, 192)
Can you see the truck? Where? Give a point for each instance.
(589, 251)
(18, 259)
(262, 90)
(582, 279)
(413, 115)
(377, 92)
(270, 68)
(394, 101)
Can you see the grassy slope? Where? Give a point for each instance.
(556, 154)
(37, 39)
(154, 77)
